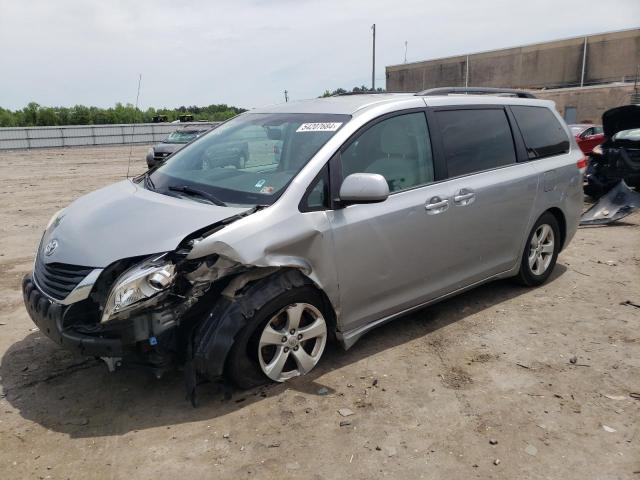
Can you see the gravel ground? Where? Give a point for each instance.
(480, 386)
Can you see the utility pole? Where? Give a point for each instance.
(405, 51)
(466, 72)
(286, 96)
(635, 96)
(584, 61)
(373, 67)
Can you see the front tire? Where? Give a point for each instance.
(541, 252)
(284, 339)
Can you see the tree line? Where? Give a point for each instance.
(36, 115)
(342, 91)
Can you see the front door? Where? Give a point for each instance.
(387, 252)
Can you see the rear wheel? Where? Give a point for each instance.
(541, 252)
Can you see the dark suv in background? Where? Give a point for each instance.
(175, 141)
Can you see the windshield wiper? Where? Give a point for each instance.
(194, 191)
(148, 183)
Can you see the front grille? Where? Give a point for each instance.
(58, 279)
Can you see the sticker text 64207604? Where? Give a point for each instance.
(319, 127)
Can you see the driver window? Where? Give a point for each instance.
(397, 148)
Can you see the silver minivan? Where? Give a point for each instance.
(347, 212)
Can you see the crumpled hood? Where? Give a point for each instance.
(620, 118)
(124, 220)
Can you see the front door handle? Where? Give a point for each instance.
(464, 197)
(436, 205)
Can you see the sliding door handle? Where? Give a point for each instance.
(436, 205)
(464, 197)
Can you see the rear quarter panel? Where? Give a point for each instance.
(560, 185)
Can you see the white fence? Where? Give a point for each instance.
(84, 135)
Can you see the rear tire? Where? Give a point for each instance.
(540, 252)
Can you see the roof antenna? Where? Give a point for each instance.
(133, 128)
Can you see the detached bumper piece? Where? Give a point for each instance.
(50, 318)
(619, 202)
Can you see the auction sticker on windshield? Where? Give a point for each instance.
(319, 127)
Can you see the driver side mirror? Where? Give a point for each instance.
(364, 188)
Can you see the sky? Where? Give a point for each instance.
(247, 52)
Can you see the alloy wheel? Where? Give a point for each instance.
(541, 249)
(292, 342)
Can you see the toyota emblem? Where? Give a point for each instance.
(51, 247)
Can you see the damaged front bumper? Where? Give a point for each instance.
(148, 338)
(151, 332)
(52, 319)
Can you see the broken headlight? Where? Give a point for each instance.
(138, 284)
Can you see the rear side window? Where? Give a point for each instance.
(475, 140)
(542, 133)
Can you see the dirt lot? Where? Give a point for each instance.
(430, 392)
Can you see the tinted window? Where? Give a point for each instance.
(543, 135)
(475, 140)
(398, 148)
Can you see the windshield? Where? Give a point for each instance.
(181, 136)
(576, 130)
(248, 160)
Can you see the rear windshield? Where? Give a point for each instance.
(542, 132)
(249, 159)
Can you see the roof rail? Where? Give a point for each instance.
(476, 91)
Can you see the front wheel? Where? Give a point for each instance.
(541, 252)
(285, 339)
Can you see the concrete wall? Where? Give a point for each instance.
(590, 102)
(83, 135)
(610, 57)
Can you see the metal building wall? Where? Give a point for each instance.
(607, 57)
(588, 103)
(84, 135)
